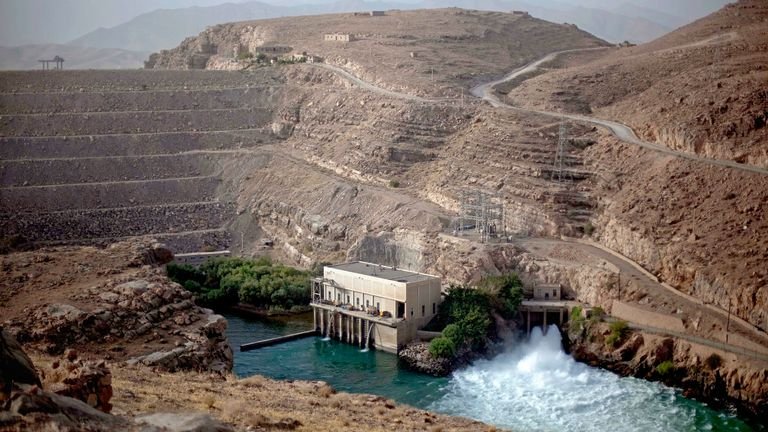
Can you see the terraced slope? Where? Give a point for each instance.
(91, 157)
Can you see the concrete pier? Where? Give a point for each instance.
(277, 340)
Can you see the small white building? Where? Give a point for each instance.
(374, 305)
(547, 292)
(338, 37)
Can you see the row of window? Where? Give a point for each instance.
(378, 305)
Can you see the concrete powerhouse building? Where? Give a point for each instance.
(374, 305)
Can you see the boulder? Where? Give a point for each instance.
(15, 365)
(31, 409)
(87, 381)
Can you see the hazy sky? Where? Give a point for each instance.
(59, 21)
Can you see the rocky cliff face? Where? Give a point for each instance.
(130, 312)
(719, 378)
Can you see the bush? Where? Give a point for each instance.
(245, 55)
(394, 184)
(589, 229)
(597, 314)
(454, 333)
(576, 320)
(506, 293)
(665, 368)
(619, 330)
(442, 347)
(714, 361)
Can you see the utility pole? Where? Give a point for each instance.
(728, 323)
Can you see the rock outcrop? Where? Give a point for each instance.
(134, 313)
(85, 380)
(416, 357)
(716, 377)
(15, 365)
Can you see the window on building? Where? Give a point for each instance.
(554, 293)
(366, 303)
(422, 309)
(434, 308)
(348, 299)
(329, 294)
(338, 296)
(411, 311)
(378, 306)
(357, 301)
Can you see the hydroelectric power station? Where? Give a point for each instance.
(372, 305)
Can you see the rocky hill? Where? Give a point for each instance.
(699, 89)
(431, 51)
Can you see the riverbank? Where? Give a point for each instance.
(263, 404)
(722, 380)
(521, 388)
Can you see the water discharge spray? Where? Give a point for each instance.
(536, 386)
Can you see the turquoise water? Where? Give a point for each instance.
(533, 387)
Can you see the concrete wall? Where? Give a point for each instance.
(645, 317)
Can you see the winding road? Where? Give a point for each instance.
(485, 92)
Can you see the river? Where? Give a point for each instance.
(533, 387)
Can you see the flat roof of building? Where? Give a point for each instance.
(384, 272)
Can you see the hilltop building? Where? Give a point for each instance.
(338, 37)
(374, 305)
(370, 13)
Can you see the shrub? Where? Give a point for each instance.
(576, 320)
(589, 229)
(619, 330)
(576, 313)
(442, 347)
(245, 55)
(454, 333)
(714, 361)
(597, 314)
(665, 368)
(505, 291)
(394, 184)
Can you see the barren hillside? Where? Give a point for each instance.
(426, 52)
(699, 89)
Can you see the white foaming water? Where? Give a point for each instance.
(538, 387)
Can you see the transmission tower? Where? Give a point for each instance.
(483, 213)
(559, 171)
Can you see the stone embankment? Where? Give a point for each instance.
(717, 377)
